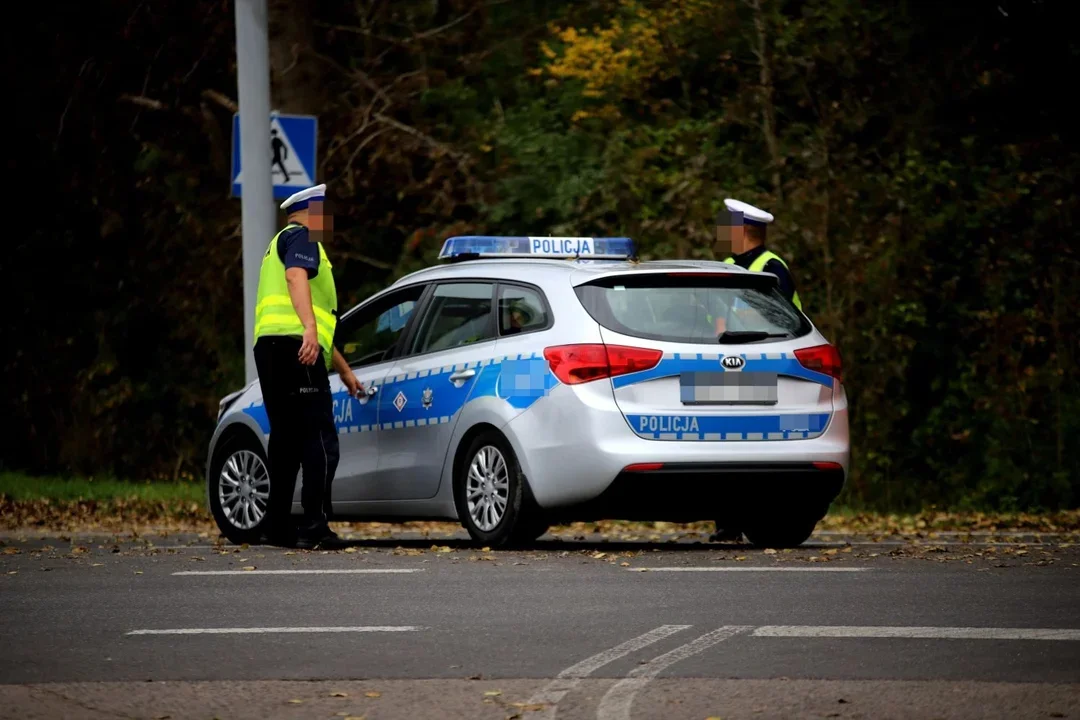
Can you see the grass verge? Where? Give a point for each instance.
(20, 487)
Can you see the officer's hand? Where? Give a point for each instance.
(353, 385)
(309, 348)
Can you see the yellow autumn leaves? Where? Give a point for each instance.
(639, 46)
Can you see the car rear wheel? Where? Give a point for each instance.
(491, 494)
(239, 490)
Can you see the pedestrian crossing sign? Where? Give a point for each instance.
(292, 153)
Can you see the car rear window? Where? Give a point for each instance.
(695, 308)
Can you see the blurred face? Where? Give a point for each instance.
(320, 222)
(730, 240)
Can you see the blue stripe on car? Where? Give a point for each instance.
(523, 379)
(520, 380)
(779, 363)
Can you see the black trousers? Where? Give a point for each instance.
(302, 433)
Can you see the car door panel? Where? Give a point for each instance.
(426, 389)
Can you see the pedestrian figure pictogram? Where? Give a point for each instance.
(278, 147)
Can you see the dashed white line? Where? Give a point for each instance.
(928, 633)
(751, 568)
(272, 630)
(569, 678)
(342, 571)
(616, 703)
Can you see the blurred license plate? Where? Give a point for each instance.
(728, 388)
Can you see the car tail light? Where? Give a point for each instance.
(821, 358)
(822, 465)
(574, 364)
(643, 467)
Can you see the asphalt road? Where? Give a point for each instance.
(406, 628)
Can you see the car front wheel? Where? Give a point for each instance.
(239, 491)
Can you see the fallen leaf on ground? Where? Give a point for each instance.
(97, 564)
(350, 549)
(741, 558)
(486, 549)
(248, 567)
(599, 556)
(339, 694)
(294, 701)
(11, 551)
(138, 572)
(625, 564)
(493, 693)
(373, 694)
(770, 551)
(831, 551)
(442, 549)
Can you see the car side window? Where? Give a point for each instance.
(458, 314)
(367, 336)
(521, 310)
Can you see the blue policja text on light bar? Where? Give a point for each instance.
(617, 248)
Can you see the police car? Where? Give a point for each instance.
(527, 381)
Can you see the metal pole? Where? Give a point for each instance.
(258, 214)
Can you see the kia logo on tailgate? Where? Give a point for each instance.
(732, 362)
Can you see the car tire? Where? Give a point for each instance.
(242, 459)
(780, 530)
(514, 518)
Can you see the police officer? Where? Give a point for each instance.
(295, 320)
(743, 225)
(747, 230)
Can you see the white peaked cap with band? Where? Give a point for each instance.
(751, 215)
(299, 201)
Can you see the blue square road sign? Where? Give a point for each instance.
(292, 151)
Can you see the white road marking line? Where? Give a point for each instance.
(929, 633)
(616, 703)
(957, 533)
(365, 571)
(271, 630)
(568, 679)
(751, 568)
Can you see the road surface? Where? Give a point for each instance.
(843, 627)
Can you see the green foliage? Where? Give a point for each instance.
(921, 162)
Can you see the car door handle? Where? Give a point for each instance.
(462, 375)
(367, 394)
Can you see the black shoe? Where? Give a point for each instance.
(308, 538)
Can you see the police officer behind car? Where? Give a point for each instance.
(743, 228)
(295, 320)
(747, 232)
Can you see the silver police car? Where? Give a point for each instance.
(531, 381)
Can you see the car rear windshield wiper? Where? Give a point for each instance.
(734, 337)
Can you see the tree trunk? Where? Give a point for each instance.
(766, 92)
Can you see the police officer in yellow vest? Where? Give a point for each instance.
(295, 320)
(743, 227)
(747, 232)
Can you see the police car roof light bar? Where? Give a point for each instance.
(470, 247)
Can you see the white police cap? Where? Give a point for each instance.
(751, 214)
(299, 201)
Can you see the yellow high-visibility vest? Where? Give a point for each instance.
(274, 312)
(759, 265)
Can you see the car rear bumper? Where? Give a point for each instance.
(575, 444)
